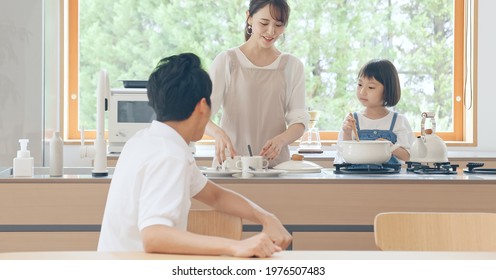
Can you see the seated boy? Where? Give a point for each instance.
(156, 176)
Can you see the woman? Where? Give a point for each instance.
(261, 90)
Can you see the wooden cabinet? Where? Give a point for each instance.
(322, 214)
(51, 216)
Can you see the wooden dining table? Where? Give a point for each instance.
(284, 255)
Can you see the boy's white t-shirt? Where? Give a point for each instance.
(154, 180)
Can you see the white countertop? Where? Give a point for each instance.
(325, 176)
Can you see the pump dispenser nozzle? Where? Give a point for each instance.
(23, 152)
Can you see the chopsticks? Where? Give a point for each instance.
(355, 131)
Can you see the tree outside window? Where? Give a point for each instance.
(333, 38)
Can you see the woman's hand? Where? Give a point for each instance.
(273, 147)
(259, 245)
(223, 142)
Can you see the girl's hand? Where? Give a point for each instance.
(348, 124)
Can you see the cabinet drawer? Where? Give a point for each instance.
(48, 241)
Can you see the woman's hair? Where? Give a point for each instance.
(279, 9)
(385, 73)
(176, 86)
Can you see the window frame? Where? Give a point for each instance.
(463, 130)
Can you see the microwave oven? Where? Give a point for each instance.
(128, 112)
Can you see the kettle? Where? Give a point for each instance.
(428, 148)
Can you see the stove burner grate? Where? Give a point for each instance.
(443, 168)
(474, 168)
(385, 168)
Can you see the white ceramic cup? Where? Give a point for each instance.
(230, 163)
(256, 162)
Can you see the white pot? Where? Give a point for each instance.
(366, 151)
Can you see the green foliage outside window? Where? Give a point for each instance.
(333, 38)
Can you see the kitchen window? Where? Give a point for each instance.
(429, 41)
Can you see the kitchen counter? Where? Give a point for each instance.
(326, 176)
(323, 211)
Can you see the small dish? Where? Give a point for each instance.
(212, 172)
(266, 172)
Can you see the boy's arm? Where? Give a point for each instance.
(169, 240)
(227, 201)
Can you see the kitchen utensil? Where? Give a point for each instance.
(249, 151)
(428, 147)
(355, 130)
(311, 140)
(366, 151)
(314, 117)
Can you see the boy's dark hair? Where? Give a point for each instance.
(279, 9)
(176, 85)
(385, 73)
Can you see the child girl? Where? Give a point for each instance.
(379, 88)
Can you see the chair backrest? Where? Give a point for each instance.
(213, 223)
(435, 231)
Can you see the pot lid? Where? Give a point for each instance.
(297, 164)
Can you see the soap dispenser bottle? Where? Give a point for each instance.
(56, 155)
(23, 163)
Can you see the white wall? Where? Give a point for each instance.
(21, 78)
(486, 80)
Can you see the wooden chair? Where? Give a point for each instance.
(435, 231)
(210, 222)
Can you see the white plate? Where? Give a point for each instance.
(211, 172)
(267, 173)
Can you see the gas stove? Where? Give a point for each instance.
(475, 168)
(443, 168)
(385, 168)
